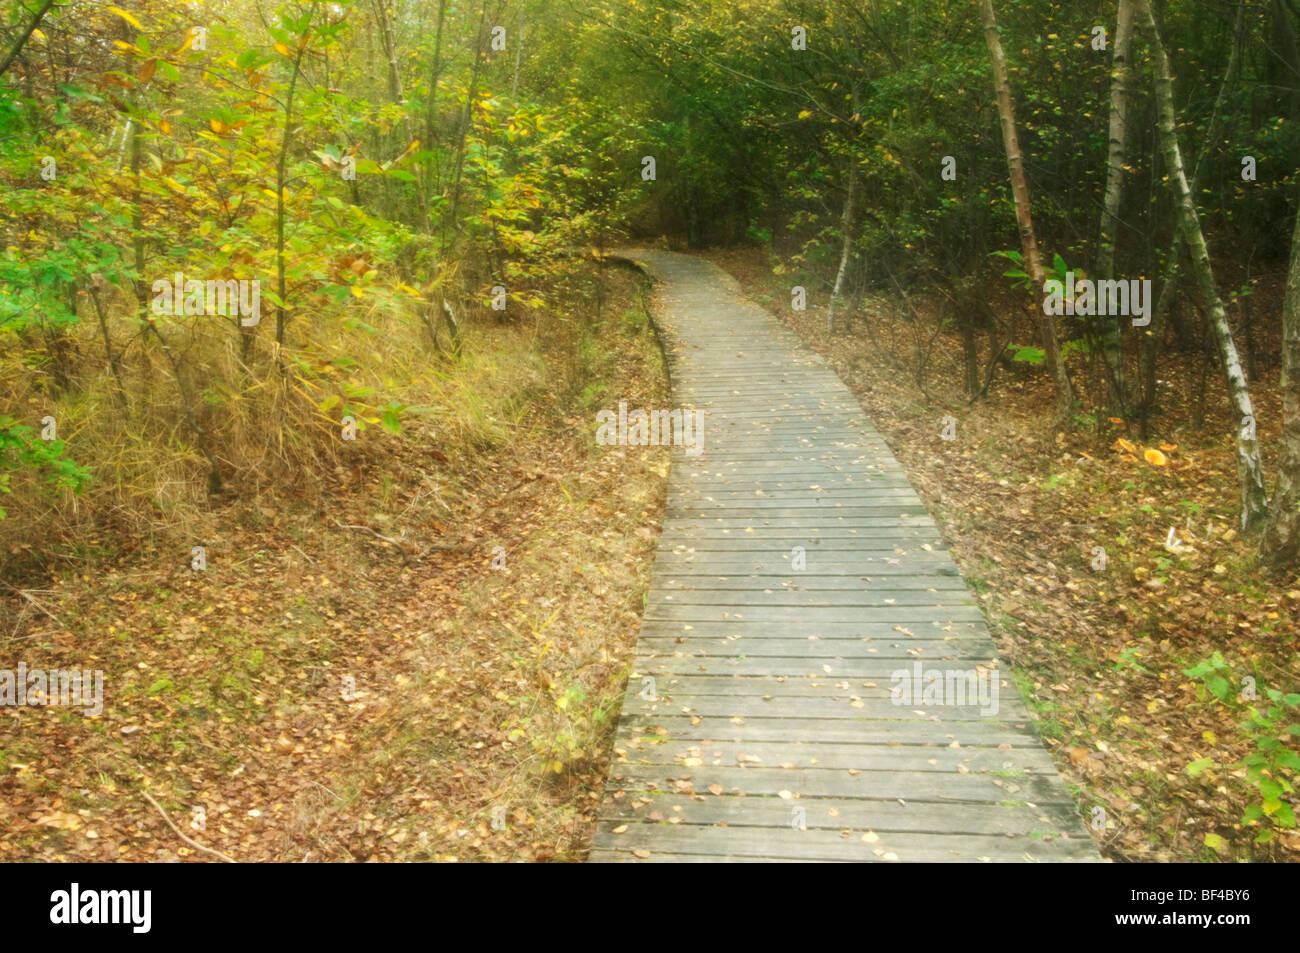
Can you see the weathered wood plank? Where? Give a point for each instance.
(743, 843)
(760, 694)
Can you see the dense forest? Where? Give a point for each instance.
(306, 310)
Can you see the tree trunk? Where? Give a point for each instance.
(468, 120)
(390, 53)
(1290, 52)
(1281, 544)
(1250, 474)
(280, 286)
(26, 35)
(846, 247)
(1112, 339)
(519, 50)
(1168, 292)
(430, 108)
(1020, 191)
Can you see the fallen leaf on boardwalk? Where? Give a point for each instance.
(643, 854)
(715, 789)
(871, 837)
(784, 795)
(621, 829)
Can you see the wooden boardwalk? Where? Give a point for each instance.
(758, 723)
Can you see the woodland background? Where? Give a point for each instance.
(382, 167)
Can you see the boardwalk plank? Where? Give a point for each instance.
(759, 724)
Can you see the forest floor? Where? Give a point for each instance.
(1100, 654)
(318, 695)
(231, 690)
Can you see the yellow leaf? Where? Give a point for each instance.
(1122, 444)
(283, 50)
(1154, 457)
(1210, 737)
(126, 16)
(357, 292)
(217, 126)
(60, 820)
(804, 114)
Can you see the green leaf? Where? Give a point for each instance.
(390, 421)
(1218, 686)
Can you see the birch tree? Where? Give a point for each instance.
(1020, 192)
(1250, 472)
(1119, 93)
(846, 247)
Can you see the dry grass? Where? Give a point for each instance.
(473, 684)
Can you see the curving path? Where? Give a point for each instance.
(758, 723)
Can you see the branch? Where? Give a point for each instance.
(22, 40)
(193, 843)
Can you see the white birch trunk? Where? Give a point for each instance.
(1250, 472)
